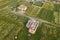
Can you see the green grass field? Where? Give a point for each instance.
(12, 25)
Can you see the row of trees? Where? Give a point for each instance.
(57, 13)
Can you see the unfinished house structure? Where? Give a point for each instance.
(32, 25)
(22, 8)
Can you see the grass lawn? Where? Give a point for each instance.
(12, 25)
